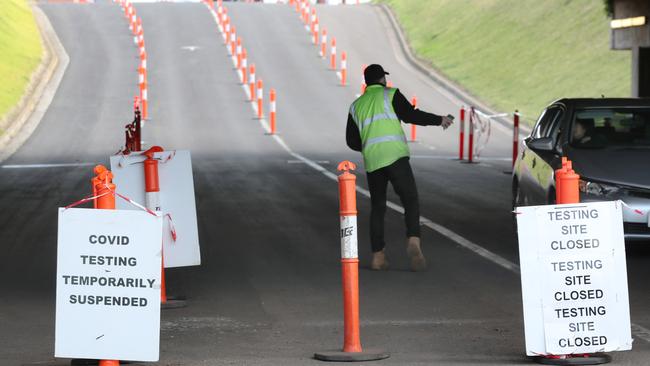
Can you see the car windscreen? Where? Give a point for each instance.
(600, 128)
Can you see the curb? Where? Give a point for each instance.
(23, 119)
(426, 68)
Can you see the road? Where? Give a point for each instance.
(268, 291)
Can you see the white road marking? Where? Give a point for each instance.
(38, 166)
(190, 48)
(638, 331)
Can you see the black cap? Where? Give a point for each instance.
(373, 73)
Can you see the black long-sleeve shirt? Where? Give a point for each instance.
(404, 111)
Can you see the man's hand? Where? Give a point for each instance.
(447, 121)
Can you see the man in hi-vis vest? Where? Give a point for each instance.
(374, 128)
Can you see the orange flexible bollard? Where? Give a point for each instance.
(238, 51)
(260, 99)
(144, 99)
(252, 83)
(226, 33)
(323, 43)
(352, 350)
(103, 184)
(233, 40)
(414, 102)
(314, 33)
(344, 67)
(152, 199)
(333, 54)
(558, 179)
(244, 67)
(461, 125)
(272, 111)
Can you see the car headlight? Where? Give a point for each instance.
(597, 188)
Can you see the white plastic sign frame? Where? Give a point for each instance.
(108, 285)
(176, 198)
(574, 278)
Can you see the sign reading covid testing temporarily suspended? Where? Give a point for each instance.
(574, 278)
(108, 284)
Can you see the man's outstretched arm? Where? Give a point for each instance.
(409, 114)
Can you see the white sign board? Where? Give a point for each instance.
(176, 199)
(574, 278)
(108, 285)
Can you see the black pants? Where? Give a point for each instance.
(400, 175)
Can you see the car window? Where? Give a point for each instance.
(599, 128)
(548, 123)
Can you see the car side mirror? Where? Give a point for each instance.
(541, 144)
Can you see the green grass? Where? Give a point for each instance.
(20, 51)
(518, 54)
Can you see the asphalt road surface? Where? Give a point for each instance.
(268, 291)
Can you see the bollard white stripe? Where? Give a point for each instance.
(260, 93)
(334, 50)
(272, 107)
(349, 244)
(152, 201)
(144, 94)
(344, 64)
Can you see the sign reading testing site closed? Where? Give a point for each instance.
(574, 278)
(108, 285)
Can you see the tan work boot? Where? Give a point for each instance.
(379, 262)
(413, 250)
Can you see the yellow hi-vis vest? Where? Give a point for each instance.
(383, 140)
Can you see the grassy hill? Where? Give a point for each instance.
(518, 54)
(20, 51)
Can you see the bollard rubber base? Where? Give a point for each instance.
(340, 356)
(590, 359)
(173, 304)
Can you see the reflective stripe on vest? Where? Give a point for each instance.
(388, 138)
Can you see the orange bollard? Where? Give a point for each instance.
(344, 67)
(144, 99)
(103, 184)
(414, 102)
(238, 52)
(252, 83)
(272, 110)
(226, 32)
(260, 99)
(233, 40)
(323, 43)
(570, 185)
(333, 55)
(352, 350)
(314, 33)
(152, 199)
(244, 67)
(559, 173)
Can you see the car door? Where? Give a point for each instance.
(536, 182)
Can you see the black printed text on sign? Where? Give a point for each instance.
(574, 278)
(108, 285)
